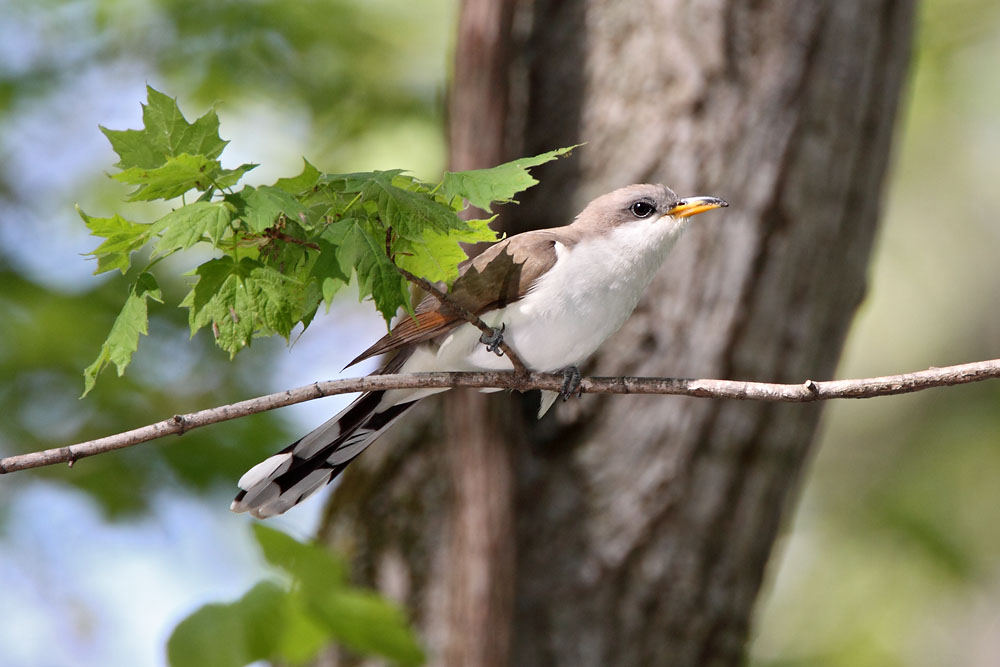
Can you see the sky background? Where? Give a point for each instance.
(891, 557)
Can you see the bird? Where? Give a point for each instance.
(552, 295)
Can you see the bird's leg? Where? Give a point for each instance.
(571, 383)
(492, 341)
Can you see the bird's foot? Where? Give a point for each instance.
(571, 383)
(493, 340)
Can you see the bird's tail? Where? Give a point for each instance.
(282, 481)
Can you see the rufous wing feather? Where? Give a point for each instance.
(418, 328)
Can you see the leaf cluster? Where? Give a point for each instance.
(274, 622)
(279, 251)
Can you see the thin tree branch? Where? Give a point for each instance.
(519, 368)
(805, 392)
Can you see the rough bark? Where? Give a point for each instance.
(642, 525)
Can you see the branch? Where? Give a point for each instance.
(805, 392)
(519, 368)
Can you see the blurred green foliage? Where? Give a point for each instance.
(351, 64)
(293, 623)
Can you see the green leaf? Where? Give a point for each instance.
(123, 339)
(409, 213)
(308, 299)
(357, 618)
(122, 237)
(328, 271)
(483, 187)
(234, 634)
(227, 178)
(377, 276)
(309, 563)
(240, 300)
(265, 204)
(270, 623)
(219, 300)
(165, 134)
(172, 179)
(355, 181)
(366, 623)
(304, 181)
(276, 298)
(437, 256)
(169, 155)
(303, 636)
(185, 226)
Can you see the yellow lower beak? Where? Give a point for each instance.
(689, 206)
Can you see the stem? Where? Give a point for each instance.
(351, 203)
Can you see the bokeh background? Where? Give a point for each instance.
(892, 556)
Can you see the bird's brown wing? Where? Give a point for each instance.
(499, 276)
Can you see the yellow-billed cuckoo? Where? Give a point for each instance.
(554, 295)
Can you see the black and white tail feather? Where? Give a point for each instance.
(280, 482)
(284, 480)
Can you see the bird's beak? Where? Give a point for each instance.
(689, 206)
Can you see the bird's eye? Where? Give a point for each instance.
(642, 209)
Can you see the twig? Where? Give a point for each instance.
(273, 233)
(805, 392)
(520, 370)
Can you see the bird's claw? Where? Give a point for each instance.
(571, 383)
(494, 340)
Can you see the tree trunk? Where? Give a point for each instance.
(635, 530)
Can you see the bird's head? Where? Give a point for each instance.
(645, 203)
